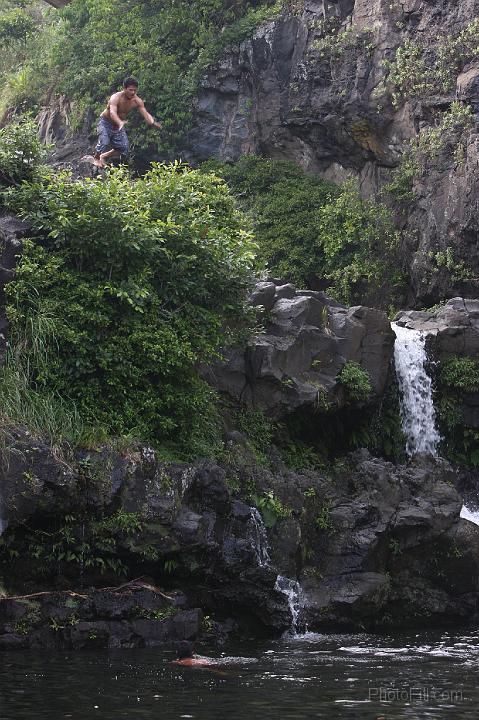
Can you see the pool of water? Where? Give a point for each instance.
(426, 675)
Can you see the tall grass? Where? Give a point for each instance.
(25, 403)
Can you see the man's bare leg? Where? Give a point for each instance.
(109, 154)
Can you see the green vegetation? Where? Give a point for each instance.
(446, 138)
(86, 49)
(21, 153)
(457, 269)
(71, 545)
(457, 377)
(336, 41)
(460, 373)
(323, 520)
(451, 129)
(417, 70)
(122, 290)
(272, 509)
(356, 382)
(258, 429)
(298, 455)
(312, 232)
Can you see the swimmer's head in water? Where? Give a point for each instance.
(184, 650)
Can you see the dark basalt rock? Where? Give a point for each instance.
(296, 362)
(376, 546)
(135, 615)
(390, 557)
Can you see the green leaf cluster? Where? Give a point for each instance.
(21, 152)
(356, 382)
(312, 232)
(72, 544)
(272, 508)
(460, 373)
(418, 69)
(15, 24)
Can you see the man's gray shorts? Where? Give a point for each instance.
(110, 136)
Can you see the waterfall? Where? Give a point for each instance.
(291, 589)
(258, 538)
(417, 407)
(472, 515)
(3, 522)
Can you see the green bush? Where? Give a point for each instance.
(312, 232)
(21, 152)
(141, 282)
(15, 24)
(457, 376)
(418, 70)
(356, 382)
(272, 509)
(460, 373)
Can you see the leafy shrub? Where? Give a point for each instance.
(15, 24)
(272, 509)
(356, 382)
(419, 70)
(142, 282)
(457, 376)
(323, 519)
(312, 232)
(460, 373)
(258, 429)
(21, 152)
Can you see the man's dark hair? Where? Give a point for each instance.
(129, 81)
(184, 649)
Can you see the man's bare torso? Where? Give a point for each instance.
(124, 105)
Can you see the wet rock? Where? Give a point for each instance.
(386, 556)
(377, 547)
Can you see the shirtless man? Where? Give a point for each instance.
(113, 118)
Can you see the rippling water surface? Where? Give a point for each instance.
(314, 676)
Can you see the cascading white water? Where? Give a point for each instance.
(417, 407)
(472, 515)
(291, 589)
(258, 537)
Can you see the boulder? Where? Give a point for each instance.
(296, 362)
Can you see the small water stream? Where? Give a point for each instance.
(258, 538)
(291, 589)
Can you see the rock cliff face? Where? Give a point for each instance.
(310, 86)
(373, 546)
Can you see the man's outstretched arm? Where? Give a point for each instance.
(148, 117)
